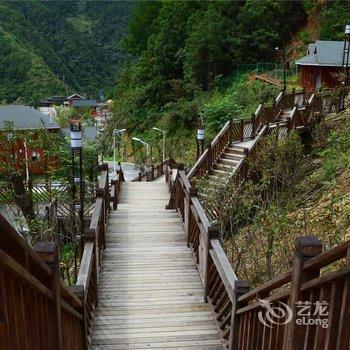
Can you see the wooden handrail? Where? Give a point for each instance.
(221, 133)
(197, 165)
(29, 279)
(86, 265)
(307, 284)
(328, 257)
(267, 287)
(224, 268)
(154, 171)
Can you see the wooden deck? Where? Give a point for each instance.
(150, 293)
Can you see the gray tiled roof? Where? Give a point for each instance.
(323, 53)
(24, 117)
(84, 103)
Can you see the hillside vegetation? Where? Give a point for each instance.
(299, 187)
(57, 47)
(185, 54)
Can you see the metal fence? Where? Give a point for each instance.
(47, 193)
(273, 69)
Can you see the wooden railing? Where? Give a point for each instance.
(302, 117)
(244, 317)
(115, 188)
(219, 281)
(210, 155)
(94, 243)
(241, 130)
(36, 310)
(154, 171)
(306, 287)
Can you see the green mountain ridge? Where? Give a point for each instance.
(58, 47)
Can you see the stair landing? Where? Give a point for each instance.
(150, 293)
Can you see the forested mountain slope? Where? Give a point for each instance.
(53, 47)
(187, 51)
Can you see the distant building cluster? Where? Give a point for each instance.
(97, 109)
(21, 119)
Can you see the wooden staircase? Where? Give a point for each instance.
(237, 142)
(150, 293)
(151, 278)
(228, 161)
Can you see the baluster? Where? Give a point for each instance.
(274, 111)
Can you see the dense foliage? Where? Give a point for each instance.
(333, 18)
(184, 50)
(296, 186)
(57, 47)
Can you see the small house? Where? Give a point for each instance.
(24, 123)
(55, 100)
(321, 65)
(90, 105)
(74, 97)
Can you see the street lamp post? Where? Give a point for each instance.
(77, 177)
(346, 50)
(345, 65)
(164, 135)
(148, 147)
(115, 132)
(284, 65)
(200, 139)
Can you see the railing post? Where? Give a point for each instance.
(48, 252)
(241, 287)
(209, 160)
(187, 210)
(78, 290)
(212, 233)
(102, 224)
(254, 128)
(242, 129)
(152, 172)
(307, 247)
(274, 109)
(114, 184)
(167, 174)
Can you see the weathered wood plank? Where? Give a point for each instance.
(150, 292)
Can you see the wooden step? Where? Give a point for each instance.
(229, 161)
(233, 148)
(230, 156)
(224, 167)
(150, 292)
(220, 173)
